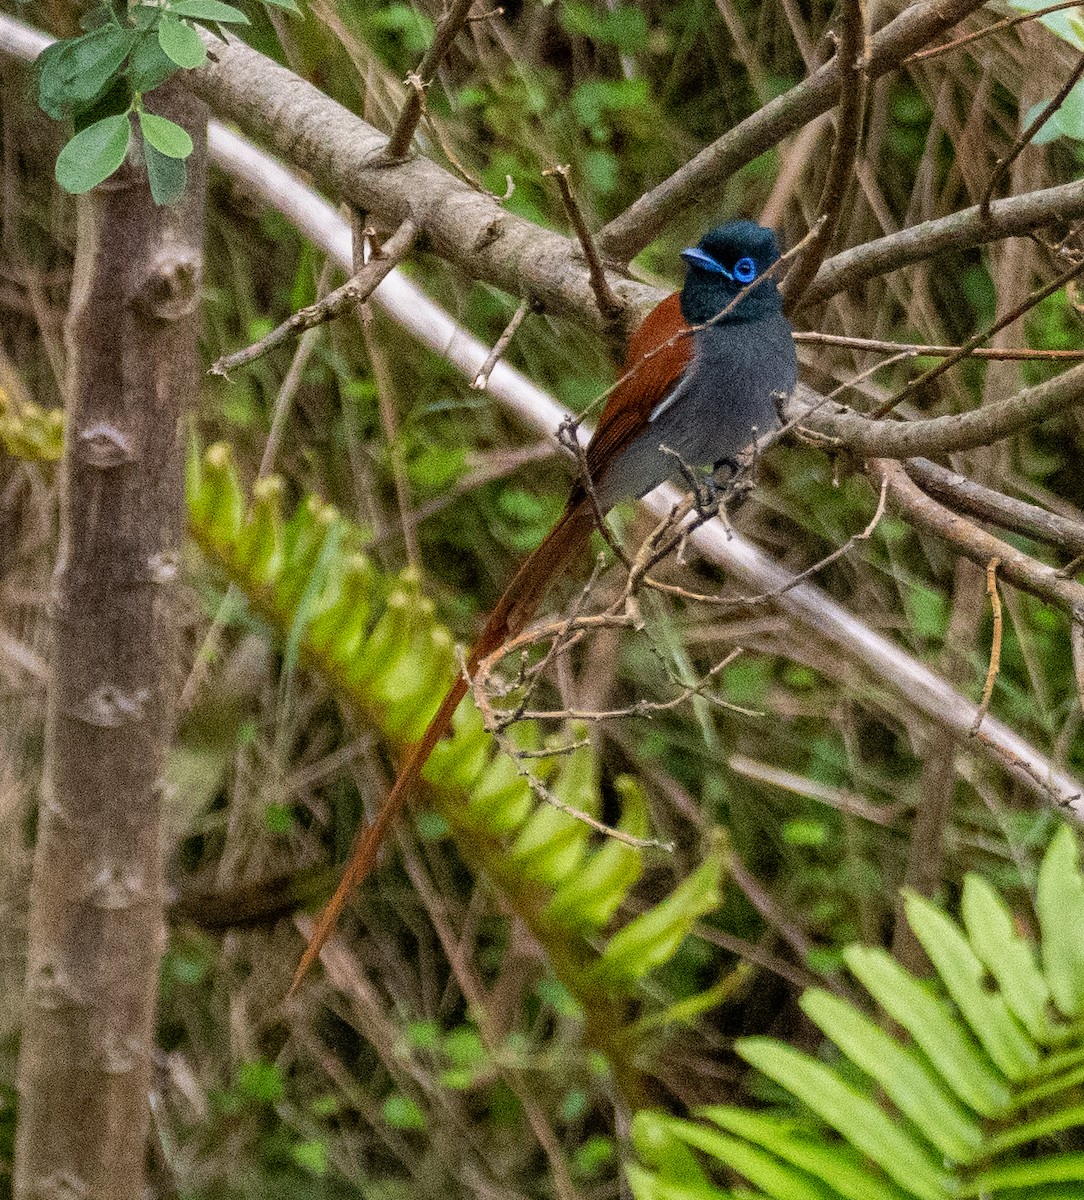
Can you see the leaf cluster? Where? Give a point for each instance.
(975, 1090)
(99, 80)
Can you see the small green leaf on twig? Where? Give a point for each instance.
(209, 10)
(93, 155)
(181, 43)
(165, 136)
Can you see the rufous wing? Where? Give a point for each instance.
(659, 353)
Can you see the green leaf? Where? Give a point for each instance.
(72, 73)
(311, 1156)
(590, 897)
(167, 137)
(148, 64)
(260, 1081)
(1060, 901)
(93, 155)
(933, 1025)
(168, 177)
(181, 43)
(855, 1116)
(209, 10)
(657, 1144)
(962, 973)
(114, 100)
(288, 5)
(760, 1168)
(401, 1112)
(834, 1165)
(1008, 957)
(654, 937)
(909, 1083)
(1057, 1168)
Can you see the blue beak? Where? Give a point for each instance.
(696, 257)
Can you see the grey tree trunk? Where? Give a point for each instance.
(96, 923)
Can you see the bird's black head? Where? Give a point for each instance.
(728, 259)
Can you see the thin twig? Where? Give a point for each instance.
(671, 589)
(481, 381)
(608, 303)
(417, 81)
(853, 56)
(1005, 23)
(995, 647)
(918, 349)
(355, 291)
(1002, 165)
(927, 377)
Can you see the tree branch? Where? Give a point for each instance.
(934, 436)
(996, 509)
(628, 234)
(976, 544)
(1014, 217)
(347, 158)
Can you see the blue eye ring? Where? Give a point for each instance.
(745, 270)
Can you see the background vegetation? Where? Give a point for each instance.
(480, 1027)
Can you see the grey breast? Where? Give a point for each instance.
(723, 402)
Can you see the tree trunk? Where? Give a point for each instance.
(96, 924)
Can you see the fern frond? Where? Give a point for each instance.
(980, 1095)
(375, 641)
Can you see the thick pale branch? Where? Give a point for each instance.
(347, 158)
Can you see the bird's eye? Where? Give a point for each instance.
(745, 270)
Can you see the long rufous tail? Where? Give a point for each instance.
(511, 614)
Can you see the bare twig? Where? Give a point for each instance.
(1005, 23)
(919, 349)
(417, 81)
(1003, 164)
(608, 303)
(927, 377)
(766, 597)
(355, 291)
(995, 647)
(852, 54)
(481, 380)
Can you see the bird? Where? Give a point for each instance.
(702, 380)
